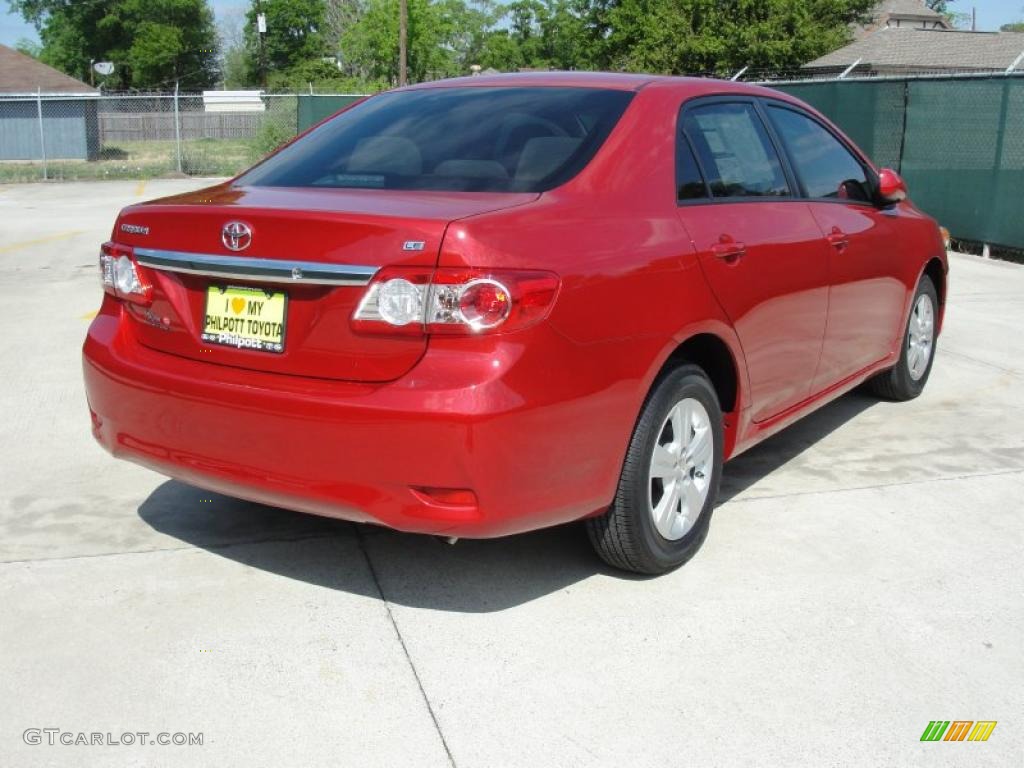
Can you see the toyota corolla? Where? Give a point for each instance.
(478, 307)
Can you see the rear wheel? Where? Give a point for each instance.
(669, 482)
(906, 379)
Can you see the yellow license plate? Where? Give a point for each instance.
(245, 318)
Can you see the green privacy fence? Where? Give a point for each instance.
(314, 108)
(958, 142)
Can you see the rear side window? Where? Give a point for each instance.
(826, 168)
(458, 139)
(735, 152)
(689, 181)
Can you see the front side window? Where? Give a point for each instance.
(458, 139)
(826, 168)
(735, 152)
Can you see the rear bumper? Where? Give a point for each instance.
(533, 448)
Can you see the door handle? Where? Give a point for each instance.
(838, 239)
(729, 250)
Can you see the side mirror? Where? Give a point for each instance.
(891, 188)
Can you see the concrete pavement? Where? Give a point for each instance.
(862, 578)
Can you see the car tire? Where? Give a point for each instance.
(679, 418)
(906, 379)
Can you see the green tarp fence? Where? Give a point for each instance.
(313, 109)
(958, 142)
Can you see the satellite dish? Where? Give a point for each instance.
(104, 67)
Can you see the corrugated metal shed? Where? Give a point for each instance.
(69, 114)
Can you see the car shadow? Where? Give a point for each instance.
(474, 576)
(765, 458)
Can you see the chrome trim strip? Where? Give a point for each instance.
(236, 268)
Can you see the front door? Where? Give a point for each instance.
(866, 298)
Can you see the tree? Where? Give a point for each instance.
(1017, 26)
(721, 36)
(669, 36)
(28, 47)
(236, 64)
(339, 18)
(445, 38)
(955, 19)
(152, 43)
(294, 34)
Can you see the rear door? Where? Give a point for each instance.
(866, 297)
(760, 247)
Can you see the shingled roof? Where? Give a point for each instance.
(23, 74)
(928, 49)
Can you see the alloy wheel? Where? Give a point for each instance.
(681, 469)
(920, 336)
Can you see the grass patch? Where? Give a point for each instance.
(146, 160)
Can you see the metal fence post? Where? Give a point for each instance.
(42, 138)
(177, 126)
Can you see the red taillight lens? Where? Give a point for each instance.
(122, 276)
(484, 304)
(411, 301)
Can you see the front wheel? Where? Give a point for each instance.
(669, 482)
(907, 378)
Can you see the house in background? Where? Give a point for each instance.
(905, 38)
(901, 14)
(70, 128)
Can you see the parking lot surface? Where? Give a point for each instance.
(863, 576)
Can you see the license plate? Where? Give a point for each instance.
(245, 318)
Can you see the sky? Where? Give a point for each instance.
(991, 14)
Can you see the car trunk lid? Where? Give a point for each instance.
(317, 247)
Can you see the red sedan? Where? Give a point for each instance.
(482, 306)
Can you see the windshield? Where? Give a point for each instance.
(459, 139)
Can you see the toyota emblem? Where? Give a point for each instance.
(236, 236)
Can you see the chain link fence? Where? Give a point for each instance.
(140, 136)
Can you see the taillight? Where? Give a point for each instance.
(412, 301)
(122, 276)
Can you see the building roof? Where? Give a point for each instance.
(915, 8)
(909, 13)
(23, 74)
(931, 49)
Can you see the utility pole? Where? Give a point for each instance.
(261, 31)
(403, 31)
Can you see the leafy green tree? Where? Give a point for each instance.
(339, 16)
(1017, 26)
(721, 36)
(669, 36)
(237, 68)
(153, 43)
(445, 38)
(295, 34)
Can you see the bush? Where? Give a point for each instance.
(271, 135)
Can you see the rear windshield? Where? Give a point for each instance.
(460, 139)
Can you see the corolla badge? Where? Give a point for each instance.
(236, 236)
